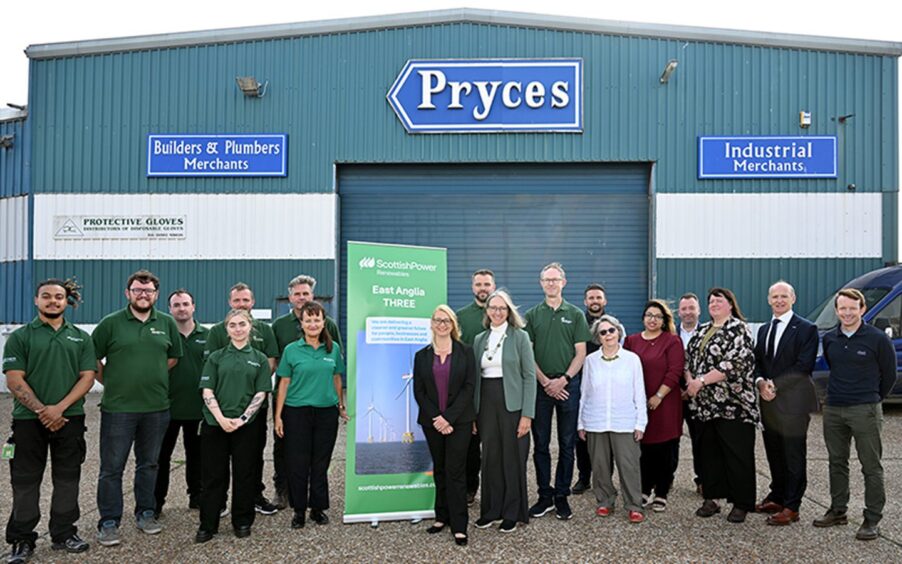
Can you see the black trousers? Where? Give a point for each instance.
(583, 461)
(261, 446)
(658, 466)
(189, 428)
(786, 446)
(449, 465)
(310, 434)
(727, 450)
(26, 471)
(474, 462)
(219, 449)
(693, 427)
(504, 457)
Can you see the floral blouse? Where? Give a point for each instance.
(730, 350)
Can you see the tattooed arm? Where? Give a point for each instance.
(15, 380)
(255, 404)
(228, 425)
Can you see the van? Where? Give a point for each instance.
(882, 290)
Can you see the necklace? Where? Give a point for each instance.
(490, 355)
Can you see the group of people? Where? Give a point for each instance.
(166, 375)
(490, 376)
(489, 379)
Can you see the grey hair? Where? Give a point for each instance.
(596, 327)
(513, 315)
(302, 279)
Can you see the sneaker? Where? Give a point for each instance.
(73, 545)
(543, 506)
(562, 508)
(636, 517)
(147, 522)
(21, 552)
(580, 487)
(483, 523)
(265, 507)
(508, 526)
(603, 511)
(647, 500)
(108, 535)
(659, 505)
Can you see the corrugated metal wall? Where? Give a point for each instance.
(15, 161)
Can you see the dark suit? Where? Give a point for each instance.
(449, 452)
(786, 417)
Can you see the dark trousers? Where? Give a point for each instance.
(449, 468)
(727, 450)
(583, 461)
(864, 423)
(567, 411)
(310, 434)
(658, 466)
(220, 450)
(191, 439)
(504, 457)
(693, 427)
(26, 471)
(261, 446)
(786, 445)
(474, 463)
(279, 472)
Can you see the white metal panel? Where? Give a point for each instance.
(14, 222)
(218, 226)
(775, 225)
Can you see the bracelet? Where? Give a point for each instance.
(660, 395)
(702, 378)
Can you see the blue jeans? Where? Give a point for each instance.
(567, 412)
(118, 431)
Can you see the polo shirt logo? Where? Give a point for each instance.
(252, 363)
(203, 378)
(566, 321)
(861, 353)
(155, 331)
(9, 359)
(256, 338)
(329, 360)
(76, 339)
(200, 341)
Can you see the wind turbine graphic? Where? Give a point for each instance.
(372, 412)
(407, 436)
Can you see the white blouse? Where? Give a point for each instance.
(491, 367)
(612, 396)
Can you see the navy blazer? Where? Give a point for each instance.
(461, 384)
(791, 366)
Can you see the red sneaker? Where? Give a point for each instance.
(636, 517)
(603, 511)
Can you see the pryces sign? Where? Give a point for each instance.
(465, 96)
(217, 155)
(767, 157)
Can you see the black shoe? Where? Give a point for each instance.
(708, 509)
(543, 506)
(736, 515)
(243, 532)
(508, 526)
(832, 518)
(203, 535)
(265, 507)
(868, 531)
(562, 508)
(193, 503)
(281, 500)
(581, 488)
(21, 552)
(433, 529)
(73, 545)
(483, 523)
(471, 498)
(319, 517)
(297, 522)
(460, 541)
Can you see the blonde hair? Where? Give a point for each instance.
(514, 319)
(455, 327)
(236, 312)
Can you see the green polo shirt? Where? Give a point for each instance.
(136, 376)
(52, 361)
(261, 338)
(554, 333)
(288, 329)
(470, 319)
(235, 376)
(311, 372)
(185, 402)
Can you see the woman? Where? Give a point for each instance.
(444, 375)
(234, 384)
(308, 407)
(612, 418)
(661, 353)
(719, 365)
(505, 406)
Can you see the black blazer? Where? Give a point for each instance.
(460, 386)
(791, 367)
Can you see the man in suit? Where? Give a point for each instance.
(785, 353)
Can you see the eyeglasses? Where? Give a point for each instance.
(610, 330)
(497, 309)
(654, 316)
(551, 280)
(441, 321)
(143, 291)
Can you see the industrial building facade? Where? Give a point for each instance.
(620, 196)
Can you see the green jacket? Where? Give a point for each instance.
(518, 368)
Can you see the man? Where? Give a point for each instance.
(140, 345)
(688, 310)
(49, 366)
(595, 300)
(185, 402)
(288, 329)
(470, 319)
(862, 365)
(262, 338)
(559, 332)
(784, 358)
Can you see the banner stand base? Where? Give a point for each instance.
(375, 518)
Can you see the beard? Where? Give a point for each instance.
(53, 314)
(596, 309)
(140, 309)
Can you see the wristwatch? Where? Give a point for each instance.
(660, 395)
(243, 418)
(702, 378)
(567, 377)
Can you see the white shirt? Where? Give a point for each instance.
(491, 368)
(781, 328)
(612, 397)
(686, 336)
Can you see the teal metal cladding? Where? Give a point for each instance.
(16, 291)
(15, 161)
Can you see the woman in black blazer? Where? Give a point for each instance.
(444, 377)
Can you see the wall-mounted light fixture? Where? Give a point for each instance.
(250, 87)
(6, 141)
(668, 70)
(842, 119)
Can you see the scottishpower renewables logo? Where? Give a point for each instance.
(401, 268)
(367, 262)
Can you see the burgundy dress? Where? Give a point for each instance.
(662, 363)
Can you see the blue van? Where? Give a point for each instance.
(883, 291)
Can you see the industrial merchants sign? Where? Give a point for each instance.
(217, 155)
(767, 157)
(119, 227)
(489, 95)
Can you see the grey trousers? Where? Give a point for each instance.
(864, 423)
(626, 455)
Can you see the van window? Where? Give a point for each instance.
(889, 317)
(824, 315)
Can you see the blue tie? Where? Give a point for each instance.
(772, 339)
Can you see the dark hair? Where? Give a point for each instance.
(726, 294)
(667, 324)
(852, 294)
(180, 291)
(70, 285)
(313, 309)
(688, 296)
(483, 272)
(241, 286)
(144, 277)
(594, 286)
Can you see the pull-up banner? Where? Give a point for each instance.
(392, 292)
